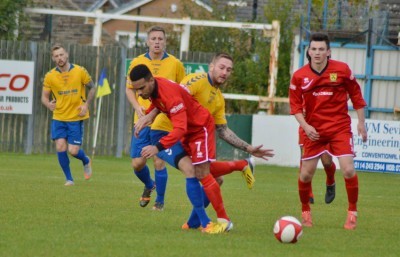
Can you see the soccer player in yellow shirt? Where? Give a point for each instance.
(67, 84)
(161, 64)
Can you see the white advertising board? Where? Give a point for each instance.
(381, 152)
(16, 86)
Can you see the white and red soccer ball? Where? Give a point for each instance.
(288, 229)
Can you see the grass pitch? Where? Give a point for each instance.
(39, 216)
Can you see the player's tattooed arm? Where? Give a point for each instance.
(92, 92)
(231, 138)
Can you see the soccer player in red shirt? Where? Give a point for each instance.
(194, 126)
(325, 85)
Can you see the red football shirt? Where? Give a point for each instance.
(323, 96)
(186, 114)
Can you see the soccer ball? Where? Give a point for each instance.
(288, 229)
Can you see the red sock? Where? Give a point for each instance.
(352, 192)
(218, 169)
(213, 193)
(330, 174)
(304, 193)
(311, 194)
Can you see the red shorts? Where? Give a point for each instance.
(338, 145)
(201, 145)
(302, 135)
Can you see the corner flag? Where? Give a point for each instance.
(103, 87)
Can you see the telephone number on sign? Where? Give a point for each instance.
(377, 166)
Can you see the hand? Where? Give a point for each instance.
(141, 111)
(142, 122)
(260, 152)
(82, 110)
(311, 133)
(362, 131)
(149, 151)
(52, 105)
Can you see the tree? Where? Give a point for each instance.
(250, 74)
(11, 16)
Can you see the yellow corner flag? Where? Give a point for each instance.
(103, 87)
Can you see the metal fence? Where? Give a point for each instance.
(31, 133)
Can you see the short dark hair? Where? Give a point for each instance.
(139, 72)
(319, 37)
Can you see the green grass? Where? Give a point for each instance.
(102, 217)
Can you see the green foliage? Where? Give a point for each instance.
(101, 217)
(11, 16)
(251, 59)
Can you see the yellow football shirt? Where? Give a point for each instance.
(168, 67)
(68, 89)
(200, 87)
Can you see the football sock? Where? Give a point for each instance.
(144, 176)
(352, 192)
(304, 193)
(218, 169)
(161, 178)
(213, 192)
(64, 163)
(82, 156)
(330, 174)
(194, 192)
(194, 221)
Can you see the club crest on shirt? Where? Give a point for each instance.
(333, 77)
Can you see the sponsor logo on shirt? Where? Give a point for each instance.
(77, 142)
(307, 85)
(333, 77)
(322, 93)
(176, 108)
(292, 87)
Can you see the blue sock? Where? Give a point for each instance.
(64, 163)
(82, 156)
(193, 190)
(161, 178)
(144, 176)
(193, 218)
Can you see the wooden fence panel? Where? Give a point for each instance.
(14, 127)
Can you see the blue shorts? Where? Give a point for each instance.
(171, 155)
(70, 130)
(137, 143)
